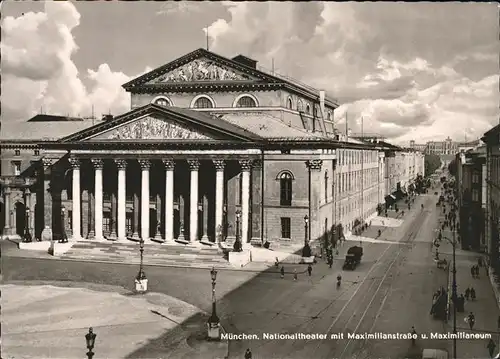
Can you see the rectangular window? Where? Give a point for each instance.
(475, 195)
(37, 152)
(17, 152)
(16, 168)
(106, 222)
(285, 227)
(128, 223)
(475, 178)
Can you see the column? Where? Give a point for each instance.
(98, 197)
(194, 166)
(219, 198)
(256, 199)
(47, 200)
(169, 199)
(76, 215)
(113, 219)
(135, 235)
(91, 219)
(6, 229)
(314, 167)
(122, 200)
(204, 237)
(245, 165)
(145, 165)
(182, 215)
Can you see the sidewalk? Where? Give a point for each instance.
(485, 306)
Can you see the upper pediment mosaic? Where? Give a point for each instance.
(201, 70)
(151, 128)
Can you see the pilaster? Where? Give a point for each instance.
(194, 166)
(47, 234)
(314, 167)
(256, 199)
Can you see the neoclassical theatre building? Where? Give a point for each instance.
(210, 145)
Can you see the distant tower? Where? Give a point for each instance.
(412, 144)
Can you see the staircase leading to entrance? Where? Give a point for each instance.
(199, 256)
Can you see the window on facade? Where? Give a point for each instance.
(475, 195)
(37, 152)
(16, 167)
(128, 223)
(475, 178)
(300, 106)
(106, 222)
(326, 187)
(203, 102)
(246, 101)
(17, 152)
(285, 189)
(162, 102)
(285, 227)
(308, 109)
(289, 103)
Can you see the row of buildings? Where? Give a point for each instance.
(210, 146)
(478, 185)
(448, 147)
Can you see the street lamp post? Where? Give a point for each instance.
(306, 232)
(213, 325)
(141, 282)
(90, 338)
(237, 244)
(64, 237)
(454, 296)
(27, 234)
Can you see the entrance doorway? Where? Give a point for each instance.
(20, 209)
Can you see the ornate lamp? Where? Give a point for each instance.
(27, 234)
(90, 338)
(141, 281)
(238, 245)
(64, 237)
(213, 325)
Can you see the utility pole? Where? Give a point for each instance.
(362, 174)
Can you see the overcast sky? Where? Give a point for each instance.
(419, 71)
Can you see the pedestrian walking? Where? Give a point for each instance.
(491, 347)
(309, 269)
(472, 293)
(471, 319)
(477, 271)
(472, 272)
(248, 354)
(295, 274)
(467, 294)
(282, 271)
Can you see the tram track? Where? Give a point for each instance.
(383, 288)
(373, 289)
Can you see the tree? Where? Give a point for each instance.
(431, 163)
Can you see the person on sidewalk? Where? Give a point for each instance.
(309, 269)
(491, 347)
(282, 271)
(473, 271)
(477, 271)
(471, 319)
(472, 294)
(295, 274)
(248, 354)
(467, 293)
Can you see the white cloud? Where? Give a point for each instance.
(38, 70)
(409, 69)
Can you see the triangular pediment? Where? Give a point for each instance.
(152, 128)
(202, 69)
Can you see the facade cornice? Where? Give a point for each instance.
(20, 144)
(183, 87)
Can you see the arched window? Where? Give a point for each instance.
(308, 109)
(162, 102)
(329, 117)
(289, 103)
(246, 101)
(285, 179)
(300, 106)
(202, 101)
(326, 186)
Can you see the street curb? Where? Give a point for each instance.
(160, 265)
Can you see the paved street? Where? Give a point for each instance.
(389, 292)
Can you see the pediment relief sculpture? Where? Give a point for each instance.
(201, 70)
(151, 128)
